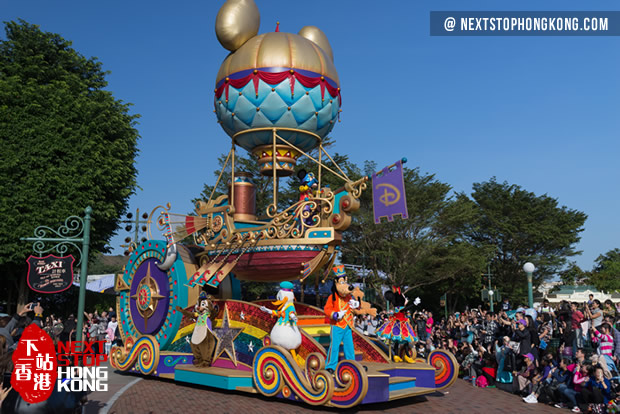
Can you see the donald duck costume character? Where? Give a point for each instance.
(285, 332)
(339, 312)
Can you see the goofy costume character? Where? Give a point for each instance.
(339, 312)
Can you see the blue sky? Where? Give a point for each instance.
(540, 112)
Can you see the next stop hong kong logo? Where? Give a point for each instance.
(71, 366)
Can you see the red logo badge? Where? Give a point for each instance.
(35, 367)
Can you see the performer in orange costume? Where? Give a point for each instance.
(338, 311)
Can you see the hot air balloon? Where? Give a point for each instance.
(276, 79)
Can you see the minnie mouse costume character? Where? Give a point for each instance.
(397, 328)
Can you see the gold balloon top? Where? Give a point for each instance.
(281, 50)
(236, 22)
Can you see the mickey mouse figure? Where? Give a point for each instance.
(307, 190)
(308, 186)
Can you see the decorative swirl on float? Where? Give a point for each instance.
(446, 368)
(274, 371)
(171, 361)
(294, 221)
(160, 222)
(144, 353)
(356, 188)
(351, 384)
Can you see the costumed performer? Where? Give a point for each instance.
(285, 332)
(202, 342)
(339, 311)
(397, 329)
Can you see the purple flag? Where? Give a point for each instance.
(388, 193)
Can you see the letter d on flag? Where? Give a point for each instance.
(388, 193)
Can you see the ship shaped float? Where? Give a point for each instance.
(277, 95)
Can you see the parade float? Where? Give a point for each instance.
(277, 95)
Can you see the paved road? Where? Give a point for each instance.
(154, 396)
(99, 402)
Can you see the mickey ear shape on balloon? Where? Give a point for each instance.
(316, 35)
(237, 22)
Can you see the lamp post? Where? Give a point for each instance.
(529, 268)
(490, 291)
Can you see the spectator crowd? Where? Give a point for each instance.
(564, 355)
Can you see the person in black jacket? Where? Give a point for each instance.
(534, 338)
(68, 329)
(522, 336)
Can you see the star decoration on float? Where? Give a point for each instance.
(251, 346)
(225, 336)
(147, 296)
(242, 316)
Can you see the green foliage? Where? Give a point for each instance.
(448, 241)
(66, 143)
(522, 227)
(101, 264)
(606, 273)
(423, 250)
(251, 291)
(64, 304)
(572, 275)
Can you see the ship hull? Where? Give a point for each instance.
(271, 266)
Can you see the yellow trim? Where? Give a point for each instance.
(183, 332)
(316, 330)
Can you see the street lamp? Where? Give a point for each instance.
(529, 268)
(490, 291)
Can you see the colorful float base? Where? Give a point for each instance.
(245, 361)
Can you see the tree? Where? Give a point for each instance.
(66, 143)
(523, 227)
(606, 273)
(422, 250)
(572, 275)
